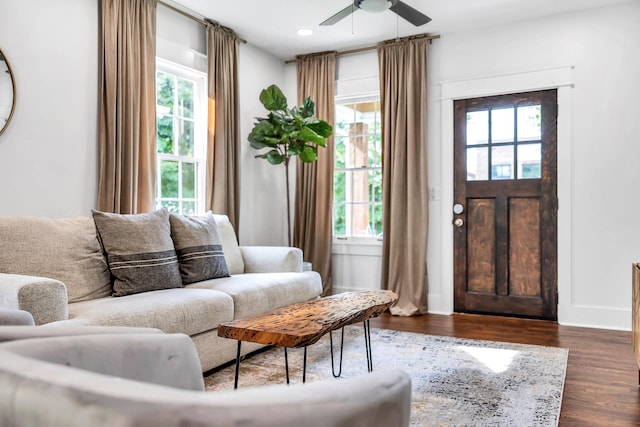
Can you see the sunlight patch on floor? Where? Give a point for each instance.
(498, 360)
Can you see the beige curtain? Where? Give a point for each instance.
(403, 94)
(222, 140)
(127, 107)
(312, 228)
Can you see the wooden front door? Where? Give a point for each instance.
(505, 212)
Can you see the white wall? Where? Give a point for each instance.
(601, 168)
(263, 218)
(48, 154)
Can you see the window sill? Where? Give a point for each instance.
(364, 247)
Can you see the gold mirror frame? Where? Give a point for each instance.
(3, 58)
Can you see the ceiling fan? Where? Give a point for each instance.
(402, 9)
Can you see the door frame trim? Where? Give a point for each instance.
(560, 78)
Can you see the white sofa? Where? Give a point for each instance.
(56, 270)
(114, 376)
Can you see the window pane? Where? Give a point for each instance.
(530, 123)
(189, 208)
(339, 187)
(477, 164)
(164, 92)
(185, 98)
(377, 220)
(358, 146)
(478, 127)
(186, 138)
(375, 151)
(169, 179)
(360, 220)
(172, 206)
(502, 162)
(529, 161)
(165, 134)
(188, 180)
(502, 125)
(375, 184)
(360, 186)
(339, 216)
(339, 153)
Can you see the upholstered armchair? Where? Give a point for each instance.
(146, 378)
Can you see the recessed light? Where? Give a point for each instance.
(304, 32)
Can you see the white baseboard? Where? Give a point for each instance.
(595, 317)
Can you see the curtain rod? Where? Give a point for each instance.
(201, 21)
(364, 49)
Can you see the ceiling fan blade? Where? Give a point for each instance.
(340, 15)
(412, 15)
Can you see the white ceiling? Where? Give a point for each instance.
(272, 24)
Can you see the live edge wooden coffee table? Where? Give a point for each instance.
(303, 324)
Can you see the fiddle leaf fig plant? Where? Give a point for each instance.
(288, 132)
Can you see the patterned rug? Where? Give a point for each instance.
(456, 382)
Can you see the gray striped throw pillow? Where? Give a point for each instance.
(199, 247)
(139, 251)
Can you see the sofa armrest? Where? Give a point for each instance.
(271, 259)
(163, 359)
(45, 299)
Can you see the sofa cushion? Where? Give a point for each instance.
(198, 247)
(64, 249)
(139, 250)
(256, 293)
(230, 246)
(190, 311)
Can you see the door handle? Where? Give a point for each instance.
(458, 222)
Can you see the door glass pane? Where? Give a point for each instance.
(188, 180)
(502, 162)
(477, 164)
(478, 127)
(502, 125)
(530, 123)
(529, 161)
(169, 179)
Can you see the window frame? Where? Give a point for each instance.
(199, 137)
(359, 240)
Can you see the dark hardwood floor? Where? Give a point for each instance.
(601, 387)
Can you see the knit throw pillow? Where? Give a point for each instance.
(198, 247)
(139, 251)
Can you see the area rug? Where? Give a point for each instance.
(455, 382)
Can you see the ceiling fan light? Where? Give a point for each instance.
(375, 5)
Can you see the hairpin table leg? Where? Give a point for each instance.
(235, 383)
(333, 371)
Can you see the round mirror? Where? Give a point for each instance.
(7, 93)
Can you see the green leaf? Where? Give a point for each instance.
(308, 154)
(307, 108)
(308, 135)
(274, 157)
(322, 128)
(273, 99)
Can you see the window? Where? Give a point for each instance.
(181, 138)
(357, 181)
